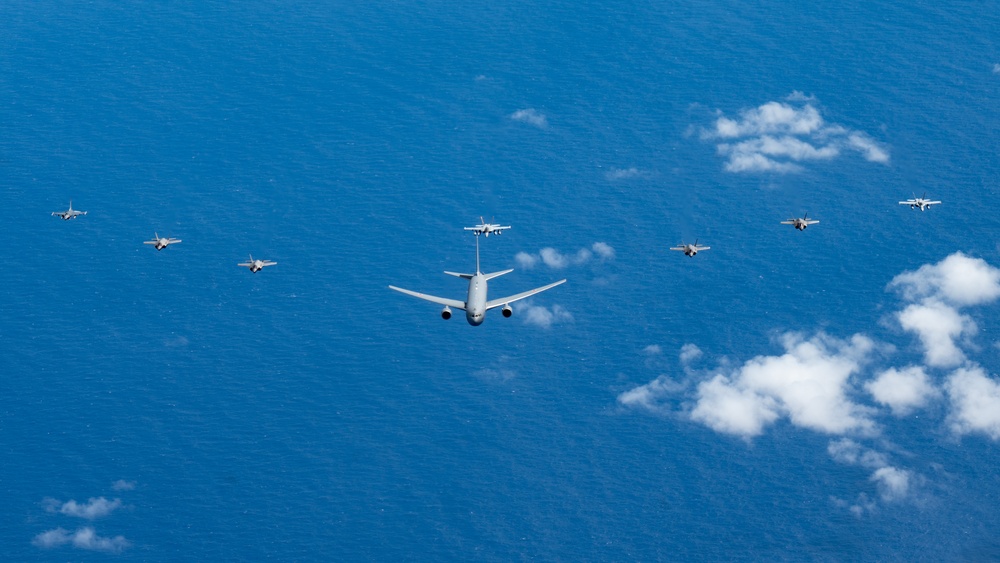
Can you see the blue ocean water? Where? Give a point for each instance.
(308, 413)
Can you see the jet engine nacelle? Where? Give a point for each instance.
(446, 313)
(507, 311)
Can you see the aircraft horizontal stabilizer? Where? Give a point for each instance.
(458, 275)
(497, 274)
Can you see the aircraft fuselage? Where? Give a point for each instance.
(475, 303)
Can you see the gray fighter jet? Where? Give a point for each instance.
(161, 242)
(690, 249)
(921, 203)
(69, 213)
(256, 265)
(801, 224)
(476, 303)
(484, 228)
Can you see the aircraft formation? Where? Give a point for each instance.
(476, 302)
(159, 243)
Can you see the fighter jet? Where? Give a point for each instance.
(256, 265)
(476, 303)
(484, 228)
(69, 213)
(690, 249)
(921, 203)
(161, 243)
(802, 223)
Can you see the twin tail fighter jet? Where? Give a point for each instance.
(69, 213)
(690, 249)
(476, 303)
(256, 265)
(800, 223)
(484, 228)
(921, 203)
(160, 243)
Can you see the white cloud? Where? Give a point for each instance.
(616, 174)
(777, 136)
(939, 290)
(530, 116)
(83, 538)
(975, 402)
(893, 483)
(689, 353)
(808, 384)
(94, 508)
(553, 259)
(938, 326)
(849, 452)
(525, 260)
(603, 250)
(958, 279)
(902, 390)
(651, 396)
(123, 485)
(996, 68)
(545, 317)
(653, 350)
(558, 261)
(868, 148)
(726, 407)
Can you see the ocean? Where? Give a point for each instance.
(307, 412)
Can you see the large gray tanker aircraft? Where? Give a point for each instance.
(476, 304)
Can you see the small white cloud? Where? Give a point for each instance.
(778, 136)
(525, 260)
(958, 279)
(83, 538)
(531, 117)
(849, 452)
(558, 261)
(94, 508)
(653, 350)
(652, 395)
(768, 119)
(616, 174)
(553, 259)
(938, 326)
(52, 538)
(902, 390)
(123, 485)
(975, 402)
(729, 408)
(868, 147)
(996, 68)
(689, 353)
(603, 251)
(545, 317)
(758, 163)
(893, 483)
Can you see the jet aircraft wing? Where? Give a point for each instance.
(454, 303)
(494, 303)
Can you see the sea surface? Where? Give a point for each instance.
(309, 413)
